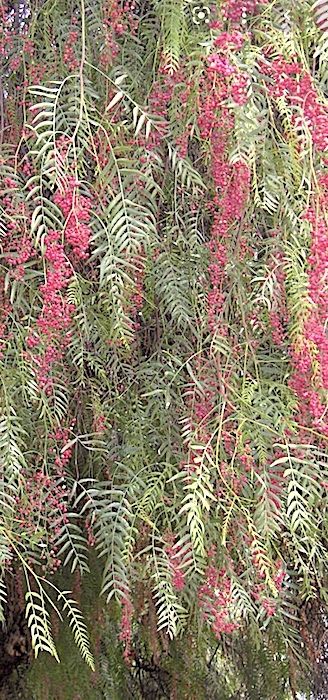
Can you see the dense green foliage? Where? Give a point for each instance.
(164, 351)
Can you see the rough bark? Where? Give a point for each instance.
(15, 645)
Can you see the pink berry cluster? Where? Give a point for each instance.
(290, 80)
(76, 210)
(16, 246)
(175, 562)
(51, 333)
(119, 18)
(231, 187)
(69, 57)
(60, 438)
(99, 423)
(126, 627)
(237, 10)
(171, 91)
(214, 597)
(235, 82)
(259, 594)
(42, 507)
(17, 243)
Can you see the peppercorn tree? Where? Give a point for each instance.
(163, 321)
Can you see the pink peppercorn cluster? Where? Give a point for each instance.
(237, 81)
(227, 44)
(175, 560)
(42, 508)
(69, 56)
(290, 80)
(48, 340)
(214, 598)
(269, 605)
(99, 423)
(51, 333)
(309, 353)
(231, 188)
(171, 91)
(118, 19)
(221, 65)
(61, 437)
(17, 242)
(125, 635)
(76, 209)
(16, 246)
(237, 10)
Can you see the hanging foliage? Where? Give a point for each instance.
(163, 317)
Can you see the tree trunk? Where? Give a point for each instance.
(15, 644)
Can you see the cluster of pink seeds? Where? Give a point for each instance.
(175, 562)
(214, 597)
(76, 209)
